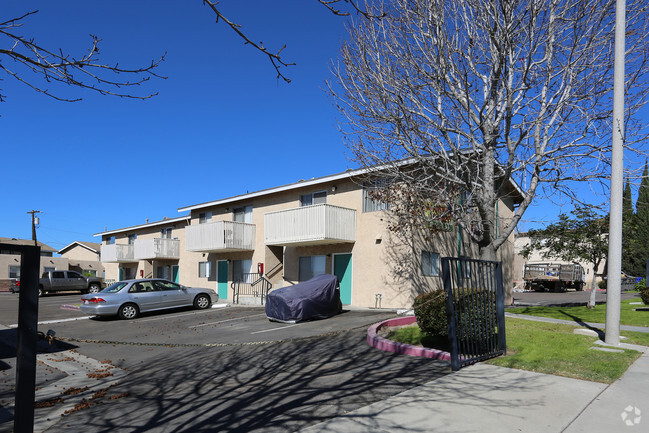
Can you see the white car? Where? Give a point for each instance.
(127, 299)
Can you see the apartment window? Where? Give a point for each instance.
(14, 271)
(110, 240)
(311, 266)
(313, 198)
(131, 239)
(243, 214)
(204, 269)
(204, 217)
(128, 273)
(163, 272)
(370, 203)
(165, 233)
(239, 268)
(429, 264)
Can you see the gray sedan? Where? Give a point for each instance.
(127, 299)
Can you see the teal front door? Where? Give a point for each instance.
(343, 270)
(222, 278)
(174, 273)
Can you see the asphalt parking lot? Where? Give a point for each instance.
(222, 369)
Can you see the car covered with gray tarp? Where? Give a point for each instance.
(317, 298)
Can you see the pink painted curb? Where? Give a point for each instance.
(381, 343)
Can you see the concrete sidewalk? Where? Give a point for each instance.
(486, 398)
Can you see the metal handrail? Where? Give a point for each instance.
(247, 285)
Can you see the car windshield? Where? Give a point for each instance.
(116, 287)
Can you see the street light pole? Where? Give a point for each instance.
(614, 283)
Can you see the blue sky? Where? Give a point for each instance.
(222, 124)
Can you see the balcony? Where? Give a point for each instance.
(156, 249)
(310, 225)
(220, 236)
(117, 253)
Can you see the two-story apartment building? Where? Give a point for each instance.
(150, 250)
(291, 233)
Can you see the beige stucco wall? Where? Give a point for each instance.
(78, 252)
(6, 260)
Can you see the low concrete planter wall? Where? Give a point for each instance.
(374, 340)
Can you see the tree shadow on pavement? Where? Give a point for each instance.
(281, 386)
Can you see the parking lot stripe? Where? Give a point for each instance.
(227, 320)
(274, 329)
(49, 322)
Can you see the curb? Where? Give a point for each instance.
(377, 342)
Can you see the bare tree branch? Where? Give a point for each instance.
(276, 58)
(58, 67)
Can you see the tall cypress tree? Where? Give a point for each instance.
(641, 239)
(629, 262)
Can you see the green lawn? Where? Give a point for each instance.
(593, 315)
(552, 349)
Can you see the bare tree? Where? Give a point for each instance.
(482, 96)
(36, 66)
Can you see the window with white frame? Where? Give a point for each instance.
(204, 217)
(429, 264)
(110, 240)
(129, 273)
(370, 202)
(243, 214)
(131, 239)
(240, 268)
(14, 271)
(313, 198)
(166, 233)
(204, 269)
(162, 272)
(311, 266)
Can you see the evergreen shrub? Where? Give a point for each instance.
(430, 311)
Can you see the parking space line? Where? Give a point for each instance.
(163, 317)
(227, 320)
(274, 329)
(49, 322)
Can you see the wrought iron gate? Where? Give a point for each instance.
(475, 308)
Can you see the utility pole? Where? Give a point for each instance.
(34, 224)
(614, 281)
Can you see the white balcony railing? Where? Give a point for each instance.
(220, 236)
(310, 225)
(157, 248)
(116, 253)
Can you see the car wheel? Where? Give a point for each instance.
(128, 311)
(202, 302)
(94, 288)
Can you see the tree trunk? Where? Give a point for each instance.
(488, 253)
(593, 289)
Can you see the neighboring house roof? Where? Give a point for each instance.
(302, 183)
(14, 241)
(92, 246)
(165, 221)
